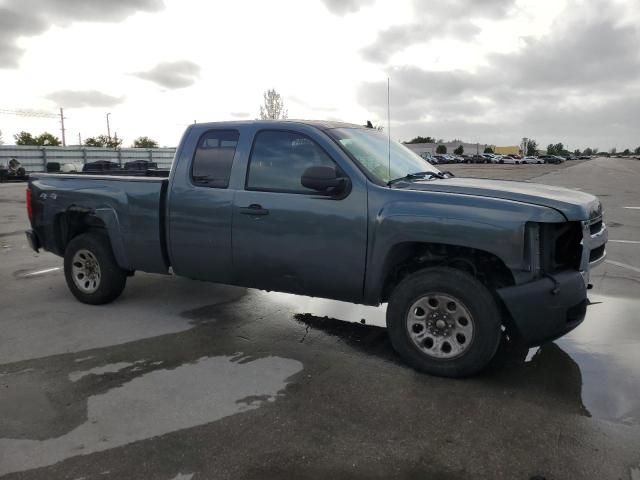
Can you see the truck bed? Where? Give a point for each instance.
(132, 209)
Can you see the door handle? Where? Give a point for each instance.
(253, 209)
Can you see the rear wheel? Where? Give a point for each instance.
(91, 270)
(444, 322)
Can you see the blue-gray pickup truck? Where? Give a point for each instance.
(338, 211)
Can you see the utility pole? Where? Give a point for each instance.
(108, 128)
(79, 139)
(64, 143)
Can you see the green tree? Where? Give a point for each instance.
(577, 152)
(441, 149)
(588, 151)
(488, 150)
(459, 150)
(532, 148)
(47, 139)
(144, 142)
(103, 141)
(637, 151)
(419, 139)
(626, 152)
(613, 151)
(551, 149)
(273, 107)
(24, 138)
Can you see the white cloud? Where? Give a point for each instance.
(178, 74)
(158, 66)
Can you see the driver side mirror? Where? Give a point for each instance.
(325, 180)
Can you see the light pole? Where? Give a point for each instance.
(108, 128)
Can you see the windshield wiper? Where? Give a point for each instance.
(420, 175)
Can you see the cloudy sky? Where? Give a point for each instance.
(489, 71)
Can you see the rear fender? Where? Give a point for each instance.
(110, 218)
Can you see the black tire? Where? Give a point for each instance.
(112, 278)
(472, 295)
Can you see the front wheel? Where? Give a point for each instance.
(444, 322)
(91, 270)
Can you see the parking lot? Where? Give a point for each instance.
(180, 379)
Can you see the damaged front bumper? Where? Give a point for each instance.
(545, 309)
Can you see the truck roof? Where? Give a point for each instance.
(320, 124)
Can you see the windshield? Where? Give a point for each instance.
(370, 147)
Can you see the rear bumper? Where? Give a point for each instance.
(547, 308)
(34, 241)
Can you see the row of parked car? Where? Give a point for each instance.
(438, 159)
(105, 167)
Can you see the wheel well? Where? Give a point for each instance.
(72, 223)
(409, 257)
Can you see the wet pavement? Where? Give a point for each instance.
(187, 380)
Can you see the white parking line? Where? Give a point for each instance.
(40, 272)
(632, 208)
(624, 241)
(623, 265)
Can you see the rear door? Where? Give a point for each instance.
(289, 238)
(200, 207)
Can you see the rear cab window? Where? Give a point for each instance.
(213, 159)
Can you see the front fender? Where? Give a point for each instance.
(492, 225)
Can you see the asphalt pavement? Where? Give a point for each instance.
(186, 380)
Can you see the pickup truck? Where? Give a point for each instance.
(338, 211)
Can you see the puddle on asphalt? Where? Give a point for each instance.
(157, 403)
(597, 362)
(607, 349)
(110, 368)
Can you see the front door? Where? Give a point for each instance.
(289, 238)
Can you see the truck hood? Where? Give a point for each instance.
(573, 204)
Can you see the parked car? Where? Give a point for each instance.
(530, 159)
(327, 209)
(551, 159)
(71, 167)
(489, 158)
(140, 165)
(478, 159)
(507, 159)
(12, 170)
(101, 166)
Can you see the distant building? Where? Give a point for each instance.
(511, 150)
(469, 148)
